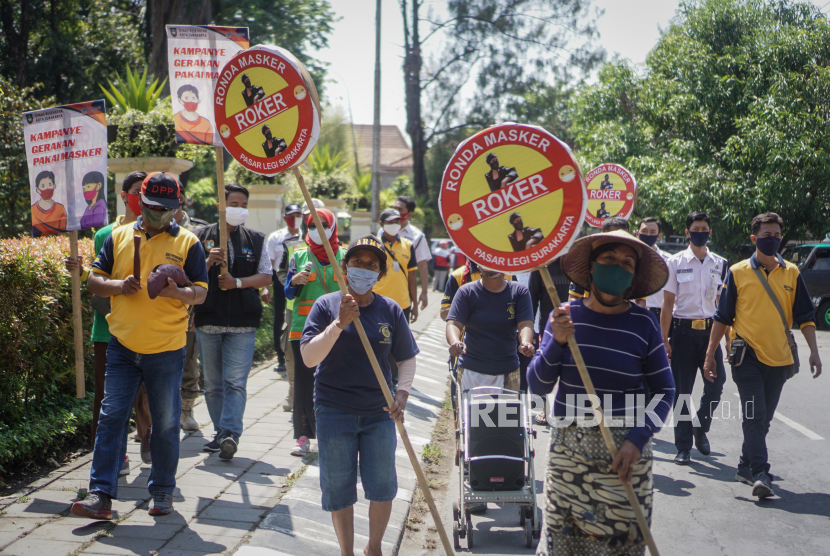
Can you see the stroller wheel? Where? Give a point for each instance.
(469, 529)
(456, 514)
(455, 536)
(521, 515)
(528, 533)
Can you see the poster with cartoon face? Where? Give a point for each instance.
(196, 55)
(66, 150)
(512, 198)
(612, 191)
(267, 110)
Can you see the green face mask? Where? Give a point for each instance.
(611, 279)
(157, 219)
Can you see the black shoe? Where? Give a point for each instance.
(682, 458)
(744, 475)
(213, 445)
(228, 446)
(702, 443)
(762, 488)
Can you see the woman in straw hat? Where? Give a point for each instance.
(587, 512)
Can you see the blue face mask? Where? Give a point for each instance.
(699, 239)
(768, 245)
(361, 280)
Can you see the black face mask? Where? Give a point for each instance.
(648, 240)
(699, 239)
(494, 164)
(268, 135)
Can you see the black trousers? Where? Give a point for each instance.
(688, 349)
(759, 386)
(278, 296)
(305, 424)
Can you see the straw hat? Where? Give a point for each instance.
(652, 272)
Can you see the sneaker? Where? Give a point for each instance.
(162, 503)
(145, 447)
(302, 447)
(96, 505)
(188, 422)
(280, 368)
(125, 467)
(288, 405)
(228, 446)
(762, 488)
(213, 445)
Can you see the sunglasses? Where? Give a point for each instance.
(154, 208)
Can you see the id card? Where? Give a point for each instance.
(396, 266)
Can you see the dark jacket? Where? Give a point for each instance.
(504, 172)
(528, 233)
(240, 308)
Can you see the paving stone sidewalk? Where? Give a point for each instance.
(252, 505)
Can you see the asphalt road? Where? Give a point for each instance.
(699, 509)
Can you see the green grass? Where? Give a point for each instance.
(431, 455)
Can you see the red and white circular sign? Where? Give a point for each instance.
(266, 110)
(612, 191)
(512, 197)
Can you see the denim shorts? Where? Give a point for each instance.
(346, 441)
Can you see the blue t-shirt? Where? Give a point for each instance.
(490, 325)
(345, 380)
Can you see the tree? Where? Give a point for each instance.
(730, 115)
(508, 50)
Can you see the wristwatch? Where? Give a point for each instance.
(238, 284)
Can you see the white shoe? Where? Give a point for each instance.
(302, 447)
(288, 405)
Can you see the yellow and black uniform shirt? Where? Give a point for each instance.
(746, 307)
(400, 261)
(141, 324)
(454, 282)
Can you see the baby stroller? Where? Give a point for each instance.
(495, 458)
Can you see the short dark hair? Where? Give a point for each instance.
(235, 188)
(43, 175)
(614, 223)
(382, 261)
(766, 218)
(648, 220)
(407, 200)
(697, 216)
(131, 179)
(185, 88)
(94, 177)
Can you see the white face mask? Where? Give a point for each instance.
(314, 235)
(235, 216)
(392, 229)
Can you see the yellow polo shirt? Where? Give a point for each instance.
(395, 285)
(745, 305)
(141, 324)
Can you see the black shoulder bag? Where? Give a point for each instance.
(790, 339)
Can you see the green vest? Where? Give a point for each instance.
(317, 286)
(289, 303)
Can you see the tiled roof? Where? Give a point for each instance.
(394, 152)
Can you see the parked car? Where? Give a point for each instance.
(813, 261)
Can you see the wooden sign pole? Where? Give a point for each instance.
(413, 458)
(220, 198)
(606, 433)
(77, 319)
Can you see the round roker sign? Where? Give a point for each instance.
(266, 110)
(612, 191)
(513, 198)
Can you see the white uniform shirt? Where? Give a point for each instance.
(419, 242)
(655, 300)
(695, 284)
(275, 247)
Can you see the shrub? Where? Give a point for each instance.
(37, 355)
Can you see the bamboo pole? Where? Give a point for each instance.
(606, 433)
(77, 319)
(220, 198)
(338, 276)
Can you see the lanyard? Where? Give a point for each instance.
(394, 260)
(320, 272)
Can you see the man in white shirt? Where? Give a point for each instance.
(276, 249)
(690, 299)
(649, 232)
(406, 206)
